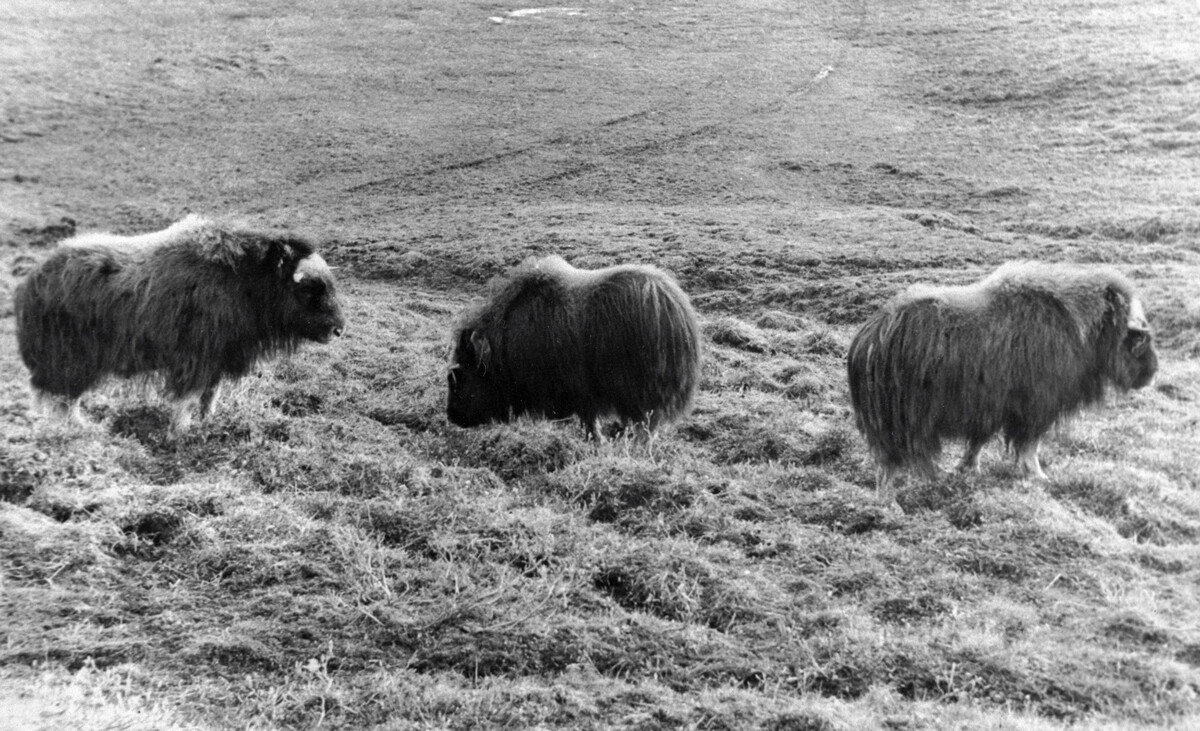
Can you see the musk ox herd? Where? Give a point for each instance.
(203, 301)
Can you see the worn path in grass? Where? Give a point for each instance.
(328, 552)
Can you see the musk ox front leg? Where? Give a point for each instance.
(186, 397)
(65, 408)
(1027, 458)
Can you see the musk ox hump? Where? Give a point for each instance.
(175, 232)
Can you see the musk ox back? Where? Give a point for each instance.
(197, 302)
(1011, 354)
(555, 341)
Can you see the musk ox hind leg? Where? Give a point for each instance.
(1027, 459)
(181, 413)
(970, 458)
(885, 478)
(591, 425)
(208, 398)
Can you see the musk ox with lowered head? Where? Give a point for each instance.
(197, 302)
(556, 341)
(1011, 354)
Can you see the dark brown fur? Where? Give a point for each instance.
(555, 341)
(198, 302)
(1011, 354)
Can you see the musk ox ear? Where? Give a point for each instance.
(1119, 309)
(478, 346)
(284, 255)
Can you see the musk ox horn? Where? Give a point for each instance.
(554, 341)
(197, 302)
(1011, 354)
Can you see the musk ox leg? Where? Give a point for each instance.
(591, 424)
(1027, 458)
(60, 407)
(885, 476)
(970, 458)
(208, 398)
(181, 413)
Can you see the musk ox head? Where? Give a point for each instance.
(475, 396)
(310, 308)
(1133, 360)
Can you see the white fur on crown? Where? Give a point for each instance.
(155, 238)
(311, 266)
(1137, 316)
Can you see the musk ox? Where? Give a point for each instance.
(197, 302)
(555, 341)
(1011, 354)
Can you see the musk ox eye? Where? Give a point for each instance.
(311, 290)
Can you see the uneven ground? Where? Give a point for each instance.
(328, 552)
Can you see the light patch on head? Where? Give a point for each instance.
(312, 266)
(1137, 316)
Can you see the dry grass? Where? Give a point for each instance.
(327, 552)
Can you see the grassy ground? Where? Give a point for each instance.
(328, 552)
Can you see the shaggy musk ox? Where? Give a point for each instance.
(556, 341)
(1011, 354)
(197, 302)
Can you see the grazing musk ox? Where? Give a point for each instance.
(1011, 354)
(197, 302)
(556, 341)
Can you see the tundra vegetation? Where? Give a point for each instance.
(326, 551)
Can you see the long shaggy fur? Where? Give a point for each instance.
(197, 302)
(1011, 354)
(556, 341)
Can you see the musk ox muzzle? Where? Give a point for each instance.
(1011, 354)
(554, 342)
(198, 302)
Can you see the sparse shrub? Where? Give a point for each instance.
(756, 444)
(623, 490)
(1134, 629)
(838, 507)
(151, 529)
(907, 609)
(686, 589)
(516, 450)
(38, 549)
(1111, 499)
(824, 342)
(736, 334)
(799, 722)
(234, 651)
(278, 467)
(780, 320)
(298, 403)
(21, 471)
